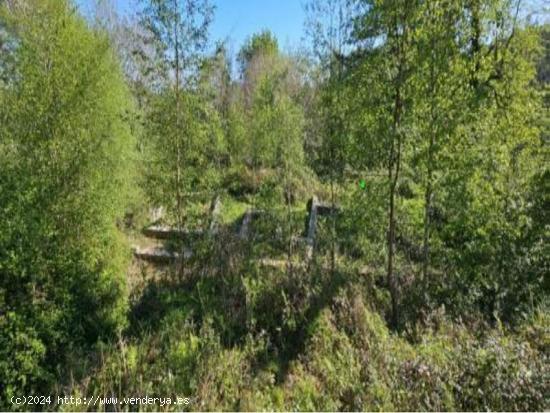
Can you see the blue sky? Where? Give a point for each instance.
(235, 20)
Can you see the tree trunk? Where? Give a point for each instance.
(429, 162)
(394, 166)
(475, 41)
(288, 225)
(179, 150)
(393, 173)
(333, 228)
(427, 223)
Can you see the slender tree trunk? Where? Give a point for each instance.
(391, 245)
(393, 175)
(179, 150)
(335, 155)
(288, 222)
(392, 282)
(429, 161)
(475, 41)
(427, 224)
(333, 227)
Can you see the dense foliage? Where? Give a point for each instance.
(423, 128)
(66, 156)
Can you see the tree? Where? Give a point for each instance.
(177, 121)
(494, 154)
(66, 153)
(263, 44)
(396, 23)
(276, 139)
(329, 26)
(269, 93)
(439, 99)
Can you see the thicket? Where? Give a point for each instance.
(424, 125)
(66, 153)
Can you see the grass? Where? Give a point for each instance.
(232, 209)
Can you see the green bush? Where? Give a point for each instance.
(66, 157)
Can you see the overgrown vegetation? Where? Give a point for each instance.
(422, 125)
